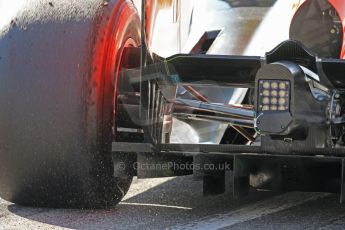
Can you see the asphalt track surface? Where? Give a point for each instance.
(178, 203)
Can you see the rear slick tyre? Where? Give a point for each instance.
(58, 69)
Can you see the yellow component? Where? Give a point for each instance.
(266, 85)
(273, 108)
(274, 93)
(282, 93)
(274, 85)
(282, 101)
(282, 85)
(265, 100)
(274, 101)
(265, 108)
(266, 93)
(281, 108)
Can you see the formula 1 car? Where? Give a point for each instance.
(93, 93)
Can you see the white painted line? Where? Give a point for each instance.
(157, 205)
(252, 211)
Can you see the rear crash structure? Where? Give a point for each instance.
(294, 120)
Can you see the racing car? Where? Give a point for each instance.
(94, 92)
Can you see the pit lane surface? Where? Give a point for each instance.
(177, 203)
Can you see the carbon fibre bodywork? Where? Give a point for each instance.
(276, 164)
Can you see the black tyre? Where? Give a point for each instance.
(58, 68)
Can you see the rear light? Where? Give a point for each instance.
(273, 95)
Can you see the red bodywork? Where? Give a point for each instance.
(339, 5)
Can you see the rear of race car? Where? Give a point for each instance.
(270, 101)
(89, 94)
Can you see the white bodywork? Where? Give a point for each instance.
(244, 31)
